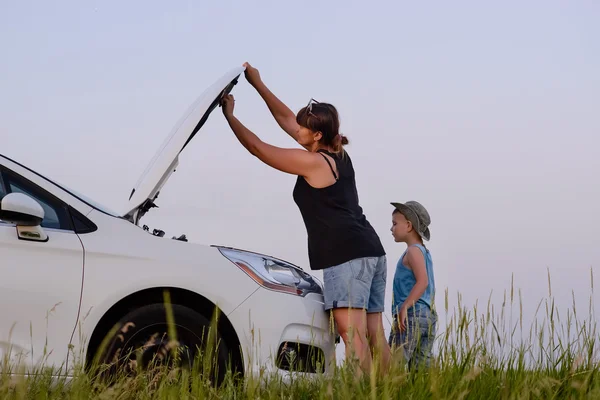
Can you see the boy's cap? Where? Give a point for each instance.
(417, 215)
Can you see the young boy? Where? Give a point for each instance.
(413, 308)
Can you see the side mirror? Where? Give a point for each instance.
(20, 209)
(26, 213)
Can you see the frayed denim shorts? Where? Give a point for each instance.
(358, 283)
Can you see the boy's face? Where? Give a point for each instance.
(401, 227)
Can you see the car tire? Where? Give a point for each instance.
(142, 336)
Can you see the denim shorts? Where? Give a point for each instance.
(358, 283)
(417, 340)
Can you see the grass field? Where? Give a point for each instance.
(480, 354)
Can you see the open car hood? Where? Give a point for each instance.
(166, 159)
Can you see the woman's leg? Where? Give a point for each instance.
(346, 292)
(352, 327)
(379, 345)
(380, 349)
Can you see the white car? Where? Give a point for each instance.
(71, 269)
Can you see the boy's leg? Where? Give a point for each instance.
(410, 339)
(421, 333)
(416, 341)
(427, 330)
(398, 343)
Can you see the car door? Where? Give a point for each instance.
(40, 282)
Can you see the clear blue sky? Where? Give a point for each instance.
(488, 114)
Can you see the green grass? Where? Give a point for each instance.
(479, 354)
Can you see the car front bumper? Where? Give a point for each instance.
(284, 334)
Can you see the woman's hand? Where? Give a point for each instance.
(252, 75)
(227, 103)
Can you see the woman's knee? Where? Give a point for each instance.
(349, 320)
(375, 324)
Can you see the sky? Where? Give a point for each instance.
(487, 114)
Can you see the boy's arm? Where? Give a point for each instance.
(416, 262)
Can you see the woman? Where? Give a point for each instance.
(341, 242)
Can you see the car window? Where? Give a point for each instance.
(55, 212)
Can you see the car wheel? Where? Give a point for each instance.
(144, 340)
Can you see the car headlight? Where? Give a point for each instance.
(272, 273)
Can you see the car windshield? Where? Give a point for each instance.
(81, 197)
(89, 201)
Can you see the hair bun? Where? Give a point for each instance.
(344, 140)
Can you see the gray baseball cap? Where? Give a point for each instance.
(417, 215)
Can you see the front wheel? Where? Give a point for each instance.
(144, 339)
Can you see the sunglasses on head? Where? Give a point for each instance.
(309, 106)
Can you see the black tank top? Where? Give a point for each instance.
(338, 231)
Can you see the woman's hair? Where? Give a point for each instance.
(324, 118)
